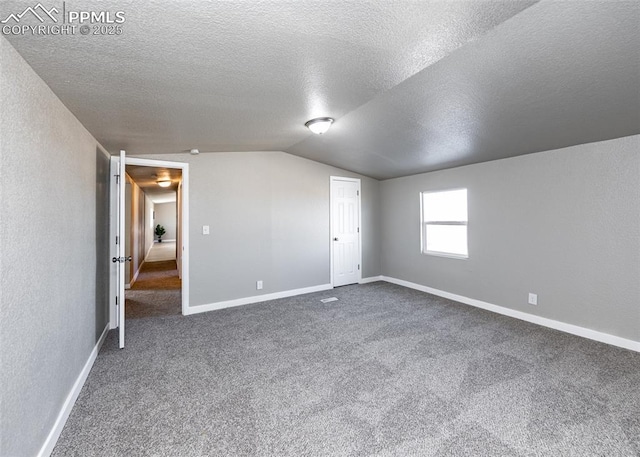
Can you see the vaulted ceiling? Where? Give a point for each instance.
(414, 86)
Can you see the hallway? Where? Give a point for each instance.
(162, 251)
(158, 289)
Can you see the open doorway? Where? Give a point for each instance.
(153, 280)
(144, 278)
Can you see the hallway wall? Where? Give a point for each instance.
(52, 311)
(128, 271)
(137, 229)
(149, 209)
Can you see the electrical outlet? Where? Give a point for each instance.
(205, 229)
(259, 285)
(533, 299)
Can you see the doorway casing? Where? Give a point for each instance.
(184, 223)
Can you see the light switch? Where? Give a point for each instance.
(205, 229)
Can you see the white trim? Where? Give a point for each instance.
(135, 277)
(63, 415)
(543, 321)
(424, 224)
(113, 248)
(185, 226)
(257, 299)
(148, 251)
(446, 254)
(359, 182)
(122, 225)
(371, 279)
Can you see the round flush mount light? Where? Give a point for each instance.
(319, 125)
(194, 152)
(164, 182)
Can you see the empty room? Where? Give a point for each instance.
(320, 228)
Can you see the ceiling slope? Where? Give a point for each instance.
(234, 76)
(557, 74)
(414, 86)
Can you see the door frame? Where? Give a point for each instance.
(332, 179)
(113, 321)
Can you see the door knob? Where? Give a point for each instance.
(121, 259)
(335, 239)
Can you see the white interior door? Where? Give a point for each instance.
(345, 231)
(121, 259)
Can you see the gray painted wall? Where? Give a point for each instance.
(564, 224)
(103, 248)
(268, 214)
(50, 308)
(166, 216)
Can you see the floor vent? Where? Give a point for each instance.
(327, 300)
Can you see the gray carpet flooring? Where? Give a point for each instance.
(384, 371)
(157, 292)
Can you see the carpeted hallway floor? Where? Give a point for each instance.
(162, 251)
(384, 371)
(156, 292)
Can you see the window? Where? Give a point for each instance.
(444, 223)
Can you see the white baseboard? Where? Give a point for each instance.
(371, 279)
(135, 277)
(543, 321)
(147, 253)
(63, 415)
(256, 299)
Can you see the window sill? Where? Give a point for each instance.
(446, 254)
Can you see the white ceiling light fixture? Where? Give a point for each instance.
(164, 182)
(194, 152)
(319, 125)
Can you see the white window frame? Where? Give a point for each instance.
(424, 224)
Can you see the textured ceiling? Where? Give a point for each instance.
(414, 86)
(558, 74)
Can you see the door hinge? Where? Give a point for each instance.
(358, 229)
(358, 193)
(117, 239)
(116, 300)
(358, 266)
